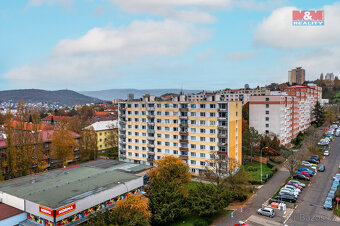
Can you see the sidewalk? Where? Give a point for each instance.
(255, 202)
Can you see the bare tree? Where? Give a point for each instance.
(112, 137)
(293, 162)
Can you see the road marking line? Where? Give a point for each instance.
(290, 214)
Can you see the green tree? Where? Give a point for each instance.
(206, 200)
(319, 114)
(168, 189)
(251, 142)
(245, 111)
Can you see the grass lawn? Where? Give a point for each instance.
(209, 220)
(253, 170)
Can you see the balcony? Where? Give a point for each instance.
(151, 138)
(222, 135)
(183, 109)
(151, 108)
(122, 122)
(222, 118)
(222, 126)
(151, 116)
(183, 149)
(151, 131)
(151, 145)
(151, 123)
(122, 142)
(221, 144)
(183, 132)
(183, 140)
(151, 152)
(222, 110)
(122, 135)
(122, 115)
(183, 117)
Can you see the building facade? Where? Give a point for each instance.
(285, 114)
(296, 76)
(107, 134)
(195, 131)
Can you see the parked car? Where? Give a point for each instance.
(328, 204)
(313, 161)
(326, 153)
(305, 163)
(306, 170)
(288, 192)
(315, 157)
(331, 194)
(337, 133)
(275, 200)
(304, 173)
(292, 187)
(321, 168)
(301, 177)
(241, 224)
(287, 198)
(335, 183)
(337, 176)
(298, 183)
(323, 142)
(269, 212)
(333, 189)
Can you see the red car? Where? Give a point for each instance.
(241, 224)
(304, 173)
(295, 185)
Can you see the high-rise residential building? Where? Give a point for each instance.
(296, 76)
(196, 131)
(284, 113)
(329, 77)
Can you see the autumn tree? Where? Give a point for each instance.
(11, 164)
(40, 156)
(112, 137)
(132, 211)
(168, 189)
(293, 161)
(63, 144)
(251, 142)
(88, 144)
(75, 124)
(330, 115)
(2, 119)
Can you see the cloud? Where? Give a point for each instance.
(277, 31)
(319, 60)
(99, 10)
(258, 5)
(98, 55)
(242, 55)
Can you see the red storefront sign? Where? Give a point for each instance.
(65, 209)
(46, 211)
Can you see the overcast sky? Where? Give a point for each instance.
(194, 44)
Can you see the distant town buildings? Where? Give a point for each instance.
(196, 131)
(55, 120)
(284, 113)
(329, 77)
(296, 76)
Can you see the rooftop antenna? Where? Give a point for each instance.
(181, 93)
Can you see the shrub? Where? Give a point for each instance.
(200, 222)
(271, 164)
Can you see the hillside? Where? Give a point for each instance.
(122, 93)
(62, 97)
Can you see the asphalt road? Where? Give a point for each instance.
(310, 204)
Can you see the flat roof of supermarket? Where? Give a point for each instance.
(69, 185)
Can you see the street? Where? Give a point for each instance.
(310, 205)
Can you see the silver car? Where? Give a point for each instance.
(269, 212)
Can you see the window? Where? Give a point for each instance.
(193, 113)
(267, 105)
(202, 130)
(167, 113)
(175, 152)
(175, 144)
(159, 105)
(202, 122)
(212, 106)
(100, 140)
(193, 122)
(212, 148)
(267, 125)
(267, 98)
(175, 105)
(193, 138)
(175, 136)
(175, 121)
(137, 154)
(212, 123)
(193, 154)
(202, 147)
(202, 105)
(212, 139)
(193, 130)
(144, 155)
(202, 114)
(167, 151)
(267, 112)
(100, 134)
(159, 113)
(167, 136)
(130, 153)
(267, 118)
(212, 131)
(193, 105)
(202, 163)
(167, 143)
(202, 155)
(202, 138)
(193, 162)
(212, 114)
(167, 128)
(166, 105)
